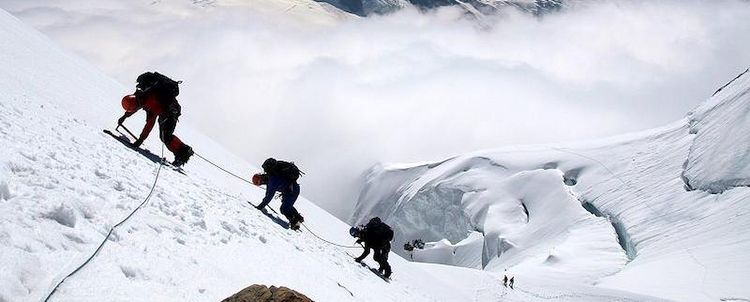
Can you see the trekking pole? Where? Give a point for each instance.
(126, 130)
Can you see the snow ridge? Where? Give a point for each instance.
(719, 159)
(618, 208)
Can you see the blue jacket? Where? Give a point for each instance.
(279, 184)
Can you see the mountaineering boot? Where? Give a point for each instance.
(183, 156)
(295, 223)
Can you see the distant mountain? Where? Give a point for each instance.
(370, 7)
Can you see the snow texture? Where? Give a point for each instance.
(719, 158)
(612, 213)
(64, 183)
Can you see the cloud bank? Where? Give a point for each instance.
(338, 95)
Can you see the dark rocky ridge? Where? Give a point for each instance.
(370, 7)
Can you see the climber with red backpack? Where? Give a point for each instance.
(156, 95)
(281, 176)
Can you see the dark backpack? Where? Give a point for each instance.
(158, 83)
(378, 231)
(286, 170)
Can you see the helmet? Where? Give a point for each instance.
(129, 103)
(354, 232)
(269, 164)
(260, 179)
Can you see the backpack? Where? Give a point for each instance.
(286, 170)
(379, 231)
(158, 83)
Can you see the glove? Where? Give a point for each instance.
(137, 143)
(121, 120)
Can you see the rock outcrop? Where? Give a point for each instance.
(262, 293)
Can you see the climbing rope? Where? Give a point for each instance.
(145, 200)
(329, 242)
(112, 229)
(222, 169)
(250, 182)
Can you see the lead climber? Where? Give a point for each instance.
(156, 95)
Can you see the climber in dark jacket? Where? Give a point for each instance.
(289, 189)
(376, 235)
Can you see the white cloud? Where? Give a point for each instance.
(409, 86)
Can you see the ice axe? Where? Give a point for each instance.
(126, 130)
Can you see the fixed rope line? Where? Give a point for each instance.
(232, 174)
(329, 242)
(112, 229)
(222, 169)
(250, 182)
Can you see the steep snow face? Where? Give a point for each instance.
(63, 184)
(528, 217)
(613, 213)
(719, 158)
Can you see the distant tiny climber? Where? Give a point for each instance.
(506, 281)
(377, 236)
(156, 94)
(281, 176)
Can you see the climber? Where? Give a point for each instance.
(281, 176)
(376, 235)
(156, 95)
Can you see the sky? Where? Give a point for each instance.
(336, 95)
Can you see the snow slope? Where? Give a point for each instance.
(634, 212)
(63, 184)
(719, 157)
